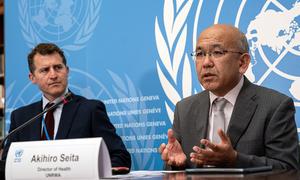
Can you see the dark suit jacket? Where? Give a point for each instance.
(262, 127)
(80, 118)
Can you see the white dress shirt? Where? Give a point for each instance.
(231, 98)
(57, 112)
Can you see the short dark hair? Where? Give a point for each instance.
(44, 49)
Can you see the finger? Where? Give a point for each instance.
(204, 142)
(198, 162)
(197, 149)
(179, 162)
(161, 148)
(203, 153)
(171, 138)
(224, 138)
(171, 161)
(196, 156)
(203, 159)
(193, 155)
(165, 154)
(210, 145)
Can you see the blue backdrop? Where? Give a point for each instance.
(135, 55)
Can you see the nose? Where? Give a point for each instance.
(52, 73)
(207, 61)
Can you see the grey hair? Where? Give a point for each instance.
(243, 43)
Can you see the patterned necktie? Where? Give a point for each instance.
(219, 118)
(49, 121)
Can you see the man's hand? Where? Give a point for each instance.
(172, 153)
(221, 154)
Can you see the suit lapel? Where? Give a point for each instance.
(67, 117)
(202, 110)
(243, 111)
(35, 127)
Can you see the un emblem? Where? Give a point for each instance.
(68, 21)
(273, 33)
(18, 155)
(275, 46)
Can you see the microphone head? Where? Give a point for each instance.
(67, 98)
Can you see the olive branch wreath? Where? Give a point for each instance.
(170, 41)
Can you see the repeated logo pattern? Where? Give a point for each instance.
(124, 88)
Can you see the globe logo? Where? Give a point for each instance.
(60, 21)
(274, 39)
(19, 153)
(56, 18)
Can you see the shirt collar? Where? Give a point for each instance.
(231, 96)
(46, 101)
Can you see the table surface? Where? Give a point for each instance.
(268, 175)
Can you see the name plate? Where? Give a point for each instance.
(86, 158)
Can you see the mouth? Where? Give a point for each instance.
(54, 84)
(208, 75)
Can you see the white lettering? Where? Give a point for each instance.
(155, 123)
(128, 138)
(128, 100)
(149, 98)
(146, 150)
(151, 111)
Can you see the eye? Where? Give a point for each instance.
(58, 67)
(43, 70)
(217, 53)
(200, 53)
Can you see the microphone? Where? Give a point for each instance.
(65, 99)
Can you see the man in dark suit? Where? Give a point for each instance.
(258, 124)
(79, 118)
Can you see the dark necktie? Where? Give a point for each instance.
(49, 121)
(219, 118)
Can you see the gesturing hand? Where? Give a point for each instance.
(172, 153)
(221, 154)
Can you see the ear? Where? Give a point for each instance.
(32, 78)
(244, 63)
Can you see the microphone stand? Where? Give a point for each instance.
(63, 100)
